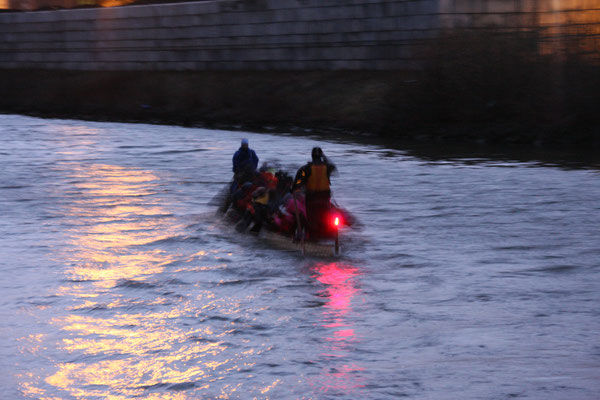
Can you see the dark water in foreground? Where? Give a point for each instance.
(470, 279)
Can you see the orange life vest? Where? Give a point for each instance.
(318, 181)
(270, 179)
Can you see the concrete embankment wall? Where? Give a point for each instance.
(221, 35)
(397, 67)
(269, 34)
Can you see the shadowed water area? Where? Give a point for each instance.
(469, 278)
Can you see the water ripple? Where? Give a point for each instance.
(470, 277)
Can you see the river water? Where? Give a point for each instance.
(467, 279)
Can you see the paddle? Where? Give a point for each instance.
(298, 221)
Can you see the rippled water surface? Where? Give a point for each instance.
(469, 279)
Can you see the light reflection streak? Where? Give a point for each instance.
(109, 225)
(31, 344)
(115, 221)
(270, 387)
(339, 291)
(28, 388)
(339, 281)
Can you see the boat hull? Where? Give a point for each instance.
(308, 248)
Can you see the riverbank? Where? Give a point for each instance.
(391, 105)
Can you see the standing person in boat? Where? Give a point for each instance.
(314, 177)
(244, 159)
(245, 162)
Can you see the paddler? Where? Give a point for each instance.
(244, 159)
(244, 162)
(314, 177)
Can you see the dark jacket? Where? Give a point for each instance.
(244, 158)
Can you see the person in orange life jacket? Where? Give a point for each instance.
(314, 177)
(244, 159)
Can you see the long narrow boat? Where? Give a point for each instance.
(324, 247)
(328, 244)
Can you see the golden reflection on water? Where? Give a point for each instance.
(116, 341)
(121, 354)
(115, 215)
(339, 292)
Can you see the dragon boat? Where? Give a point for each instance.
(262, 204)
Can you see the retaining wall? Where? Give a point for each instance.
(267, 34)
(220, 35)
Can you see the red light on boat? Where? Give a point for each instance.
(336, 221)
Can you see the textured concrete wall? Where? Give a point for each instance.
(265, 34)
(561, 25)
(542, 14)
(225, 35)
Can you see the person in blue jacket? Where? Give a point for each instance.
(245, 158)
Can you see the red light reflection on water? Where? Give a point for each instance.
(339, 292)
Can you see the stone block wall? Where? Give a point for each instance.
(268, 34)
(559, 23)
(221, 35)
